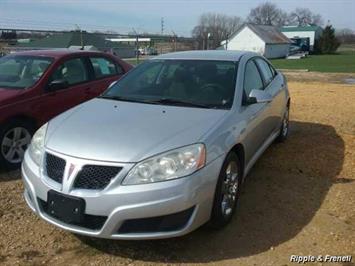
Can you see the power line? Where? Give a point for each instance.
(22, 23)
(40, 24)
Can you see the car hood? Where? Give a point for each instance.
(6, 95)
(117, 131)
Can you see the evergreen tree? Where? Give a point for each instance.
(327, 43)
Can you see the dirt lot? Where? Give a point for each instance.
(299, 199)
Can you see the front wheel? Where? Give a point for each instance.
(284, 126)
(227, 192)
(15, 137)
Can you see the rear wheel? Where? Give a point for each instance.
(15, 137)
(227, 192)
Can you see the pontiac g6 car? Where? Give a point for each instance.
(162, 151)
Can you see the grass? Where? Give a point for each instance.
(340, 62)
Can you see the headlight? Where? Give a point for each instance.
(166, 166)
(37, 144)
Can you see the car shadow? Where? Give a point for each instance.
(282, 193)
(9, 175)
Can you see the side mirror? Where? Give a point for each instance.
(259, 96)
(57, 84)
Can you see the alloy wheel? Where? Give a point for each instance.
(285, 123)
(14, 144)
(229, 189)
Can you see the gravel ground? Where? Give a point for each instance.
(299, 199)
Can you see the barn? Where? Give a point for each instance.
(262, 39)
(310, 32)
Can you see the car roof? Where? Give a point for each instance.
(55, 53)
(220, 55)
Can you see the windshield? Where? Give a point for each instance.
(194, 83)
(19, 72)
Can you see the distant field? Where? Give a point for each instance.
(347, 48)
(133, 61)
(343, 61)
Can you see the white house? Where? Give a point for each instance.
(262, 39)
(313, 32)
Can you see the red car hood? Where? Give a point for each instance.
(6, 95)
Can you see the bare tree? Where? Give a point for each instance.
(213, 28)
(283, 18)
(267, 14)
(304, 16)
(345, 35)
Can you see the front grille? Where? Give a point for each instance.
(92, 222)
(166, 223)
(95, 176)
(54, 167)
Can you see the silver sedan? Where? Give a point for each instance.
(162, 151)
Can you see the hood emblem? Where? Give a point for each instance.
(71, 169)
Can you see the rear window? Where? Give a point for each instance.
(104, 67)
(19, 72)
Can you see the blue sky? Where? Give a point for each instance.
(123, 15)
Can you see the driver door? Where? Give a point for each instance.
(256, 115)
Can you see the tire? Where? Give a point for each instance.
(224, 206)
(284, 126)
(15, 136)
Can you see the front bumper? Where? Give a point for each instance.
(126, 203)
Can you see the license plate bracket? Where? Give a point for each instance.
(65, 208)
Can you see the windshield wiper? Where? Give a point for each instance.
(157, 101)
(120, 98)
(177, 102)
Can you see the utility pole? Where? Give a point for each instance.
(81, 36)
(162, 25)
(137, 46)
(208, 40)
(227, 41)
(174, 40)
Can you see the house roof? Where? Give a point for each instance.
(73, 38)
(269, 34)
(300, 28)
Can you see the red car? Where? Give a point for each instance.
(35, 86)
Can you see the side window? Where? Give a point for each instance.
(265, 70)
(104, 67)
(73, 71)
(273, 71)
(252, 78)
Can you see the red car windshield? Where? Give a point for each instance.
(20, 72)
